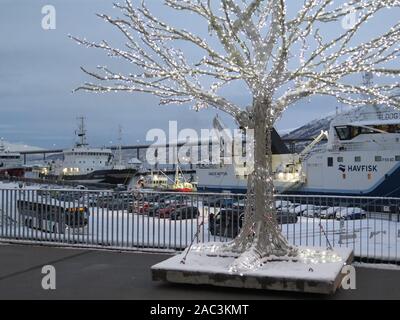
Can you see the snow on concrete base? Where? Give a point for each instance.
(300, 276)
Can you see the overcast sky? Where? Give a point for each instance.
(39, 69)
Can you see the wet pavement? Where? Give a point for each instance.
(92, 274)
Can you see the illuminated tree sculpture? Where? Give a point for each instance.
(280, 57)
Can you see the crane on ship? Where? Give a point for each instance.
(306, 151)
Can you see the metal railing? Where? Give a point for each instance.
(172, 221)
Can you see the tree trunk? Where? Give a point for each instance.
(260, 239)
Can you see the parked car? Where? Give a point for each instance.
(117, 205)
(118, 201)
(81, 187)
(220, 202)
(66, 195)
(283, 204)
(154, 207)
(166, 211)
(239, 204)
(209, 201)
(286, 218)
(141, 207)
(224, 202)
(288, 209)
(103, 201)
(330, 212)
(89, 199)
(227, 222)
(351, 213)
(178, 198)
(159, 198)
(183, 213)
(306, 210)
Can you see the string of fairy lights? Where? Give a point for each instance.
(281, 58)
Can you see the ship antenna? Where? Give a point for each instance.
(368, 82)
(2, 147)
(81, 132)
(120, 145)
(368, 78)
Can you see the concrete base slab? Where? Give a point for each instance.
(299, 276)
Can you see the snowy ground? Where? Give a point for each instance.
(369, 238)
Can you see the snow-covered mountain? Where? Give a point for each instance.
(308, 131)
(311, 129)
(19, 147)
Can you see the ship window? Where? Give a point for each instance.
(364, 130)
(340, 159)
(350, 132)
(357, 159)
(378, 158)
(330, 162)
(397, 158)
(343, 132)
(347, 132)
(389, 128)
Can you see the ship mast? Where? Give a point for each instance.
(120, 145)
(81, 133)
(2, 147)
(368, 82)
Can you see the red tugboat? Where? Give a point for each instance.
(180, 184)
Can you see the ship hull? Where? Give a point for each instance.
(110, 176)
(12, 172)
(387, 186)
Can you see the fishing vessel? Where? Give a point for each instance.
(85, 164)
(153, 181)
(162, 181)
(360, 158)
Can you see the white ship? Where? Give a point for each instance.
(11, 163)
(83, 163)
(361, 157)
